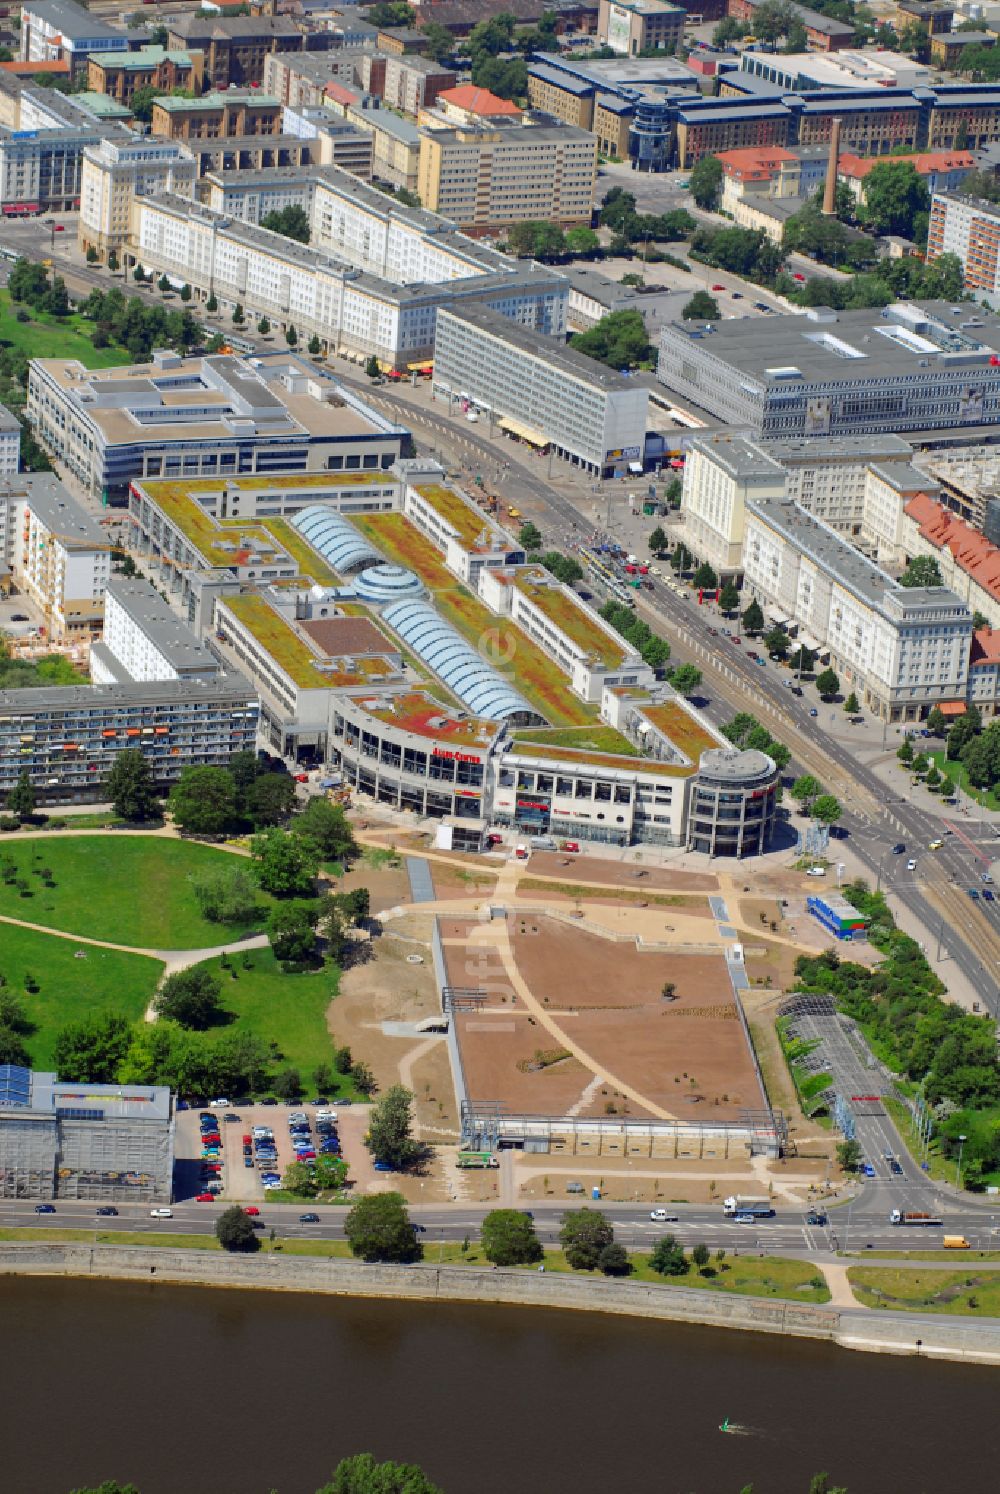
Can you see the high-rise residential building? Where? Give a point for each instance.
(969, 228)
(486, 179)
(62, 557)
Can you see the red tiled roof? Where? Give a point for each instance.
(35, 67)
(341, 94)
(985, 647)
(477, 100)
(858, 167)
(754, 161)
(946, 531)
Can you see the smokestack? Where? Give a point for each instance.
(830, 190)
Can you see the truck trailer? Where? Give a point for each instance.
(902, 1216)
(761, 1208)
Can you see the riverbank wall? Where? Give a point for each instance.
(861, 1329)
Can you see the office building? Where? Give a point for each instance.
(119, 74)
(336, 142)
(733, 805)
(115, 173)
(250, 153)
(633, 26)
(410, 263)
(949, 50)
(800, 71)
(144, 640)
(54, 31)
(910, 367)
(541, 391)
(237, 47)
(216, 115)
(102, 1142)
(215, 416)
(720, 474)
(40, 170)
(485, 179)
(66, 737)
(902, 650)
(62, 558)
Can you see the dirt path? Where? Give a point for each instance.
(841, 1294)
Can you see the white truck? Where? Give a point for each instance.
(760, 1208)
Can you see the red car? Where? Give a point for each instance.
(302, 778)
(718, 287)
(251, 1209)
(204, 1198)
(797, 276)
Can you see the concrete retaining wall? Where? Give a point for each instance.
(872, 1331)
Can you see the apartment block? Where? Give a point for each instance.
(10, 442)
(969, 563)
(968, 227)
(144, 640)
(62, 557)
(66, 737)
(119, 74)
(485, 179)
(720, 474)
(466, 104)
(540, 391)
(410, 263)
(115, 173)
(40, 170)
(298, 78)
(413, 83)
(901, 649)
(216, 115)
(395, 142)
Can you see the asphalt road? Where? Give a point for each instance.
(856, 1226)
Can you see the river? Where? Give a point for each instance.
(197, 1391)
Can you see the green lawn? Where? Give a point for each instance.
(956, 772)
(127, 889)
(47, 336)
(104, 980)
(289, 1010)
(952, 1293)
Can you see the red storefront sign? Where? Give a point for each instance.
(455, 757)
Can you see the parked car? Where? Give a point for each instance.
(382, 1167)
(974, 894)
(220, 1104)
(813, 711)
(988, 896)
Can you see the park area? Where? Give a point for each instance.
(664, 1024)
(59, 981)
(47, 336)
(126, 889)
(288, 1010)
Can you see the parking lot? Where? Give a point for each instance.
(233, 1152)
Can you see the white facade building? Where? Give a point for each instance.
(147, 640)
(370, 280)
(115, 173)
(902, 649)
(541, 391)
(62, 558)
(720, 474)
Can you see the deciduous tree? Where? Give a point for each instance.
(378, 1228)
(191, 998)
(234, 1231)
(284, 865)
(129, 786)
(390, 1129)
(203, 800)
(584, 1234)
(509, 1238)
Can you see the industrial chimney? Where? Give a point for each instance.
(830, 190)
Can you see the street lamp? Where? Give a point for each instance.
(958, 1169)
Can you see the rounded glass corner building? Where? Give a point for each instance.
(650, 137)
(733, 802)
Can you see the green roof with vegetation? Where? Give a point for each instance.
(280, 640)
(566, 614)
(542, 683)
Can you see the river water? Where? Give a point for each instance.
(199, 1391)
